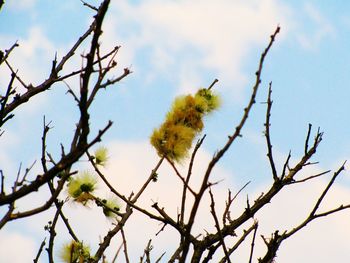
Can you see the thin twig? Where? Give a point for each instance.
(117, 253)
(240, 241)
(43, 144)
(217, 226)
(310, 177)
(7, 217)
(52, 232)
(65, 162)
(16, 75)
(319, 201)
(88, 5)
(125, 246)
(267, 135)
(39, 251)
(2, 183)
(188, 177)
(129, 202)
(253, 242)
(23, 98)
(286, 165)
(276, 239)
(307, 139)
(125, 217)
(180, 176)
(80, 71)
(8, 51)
(229, 202)
(160, 258)
(10, 91)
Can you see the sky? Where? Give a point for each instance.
(174, 47)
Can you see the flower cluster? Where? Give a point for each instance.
(184, 121)
(101, 156)
(81, 187)
(75, 252)
(110, 207)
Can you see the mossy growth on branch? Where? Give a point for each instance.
(174, 138)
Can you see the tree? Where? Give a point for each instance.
(173, 141)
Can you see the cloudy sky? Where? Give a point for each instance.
(175, 47)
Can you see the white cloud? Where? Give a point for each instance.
(322, 30)
(20, 5)
(193, 36)
(16, 248)
(130, 164)
(8, 142)
(32, 57)
(323, 240)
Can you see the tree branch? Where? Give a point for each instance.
(221, 152)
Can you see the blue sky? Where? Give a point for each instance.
(175, 47)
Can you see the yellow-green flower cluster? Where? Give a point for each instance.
(101, 156)
(75, 252)
(81, 187)
(184, 121)
(110, 206)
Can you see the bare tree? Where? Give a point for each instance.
(59, 172)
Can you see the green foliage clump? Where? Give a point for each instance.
(173, 139)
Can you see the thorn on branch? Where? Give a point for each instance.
(53, 68)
